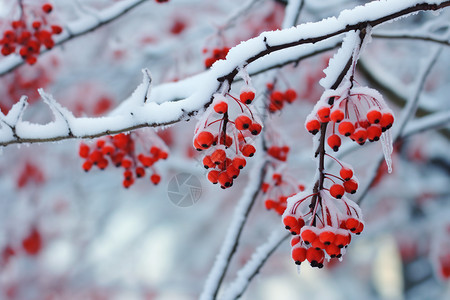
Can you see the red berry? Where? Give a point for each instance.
(327, 237)
(242, 122)
(248, 150)
(47, 8)
(333, 250)
(359, 136)
(232, 171)
(298, 255)
(239, 162)
(374, 133)
(315, 257)
(56, 29)
(36, 24)
(32, 244)
(337, 115)
(334, 141)
(87, 165)
(255, 128)
(221, 107)
(308, 236)
(205, 139)
(84, 150)
(313, 126)
(225, 180)
(337, 191)
(346, 128)
(352, 224)
(290, 95)
(155, 178)
(387, 119)
(324, 114)
(346, 174)
(140, 172)
(373, 116)
(213, 176)
(247, 97)
(351, 186)
(342, 240)
(218, 156)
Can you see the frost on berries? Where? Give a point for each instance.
(26, 35)
(224, 134)
(136, 152)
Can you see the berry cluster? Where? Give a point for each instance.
(121, 151)
(359, 113)
(277, 189)
(214, 55)
(26, 37)
(321, 228)
(217, 132)
(278, 98)
(30, 173)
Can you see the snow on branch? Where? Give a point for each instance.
(86, 24)
(173, 102)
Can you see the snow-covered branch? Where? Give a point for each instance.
(85, 24)
(194, 94)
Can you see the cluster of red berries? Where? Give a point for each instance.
(26, 38)
(278, 98)
(216, 133)
(279, 153)
(215, 55)
(277, 189)
(321, 228)
(360, 114)
(121, 151)
(30, 173)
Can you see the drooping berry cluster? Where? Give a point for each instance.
(277, 188)
(359, 113)
(226, 139)
(322, 228)
(277, 98)
(27, 35)
(136, 153)
(214, 55)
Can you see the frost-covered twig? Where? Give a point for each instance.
(231, 241)
(254, 265)
(407, 114)
(409, 36)
(77, 28)
(195, 93)
(433, 121)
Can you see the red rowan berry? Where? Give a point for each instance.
(298, 255)
(224, 179)
(342, 240)
(346, 128)
(290, 95)
(218, 156)
(387, 119)
(295, 240)
(95, 156)
(127, 183)
(84, 150)
(264, 187)
(248, 150)
(277, 97)
(373, 116)
(255, 128)
(337, 115)
(324, 114)
(239, 162)
(31, 60)
(242, 122)
(205, 139)
(227, 141)
(374, 133)
(32, 244)
(127, 174)
(360, 135)
(337, 191)
(313, 126)
(270, 204)
(56, 29)
(126, 163)
(352, 224)
(155, 178)
(333, 250)
(213, 176)
(327, 237)
(87, 165)
(140, 172)
(346, 174)
(36, 24)
(359, 229)
(221, 107)
(47, 8)
(163, 155)
(247, 97)
(351, 186)
(315, 257)
(207, 162)
(290, 222)
(308, 236)
(232, 171)
(318, 244)
(334, 141)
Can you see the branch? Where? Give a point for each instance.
(407, 114)
(230, 244)
(196, 92)
(77, 28)
(254, 265)
(411, 36)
